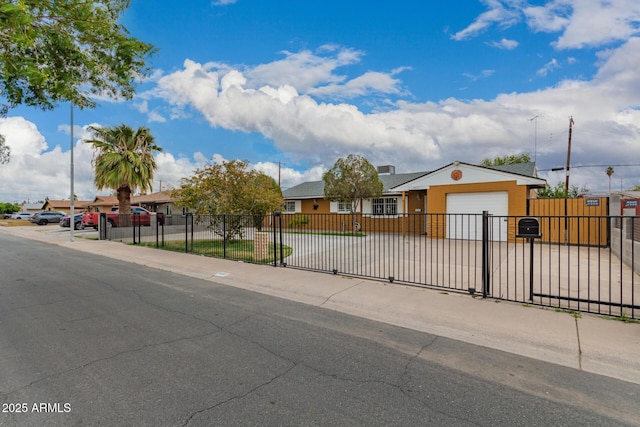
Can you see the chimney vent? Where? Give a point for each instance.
(387, 170)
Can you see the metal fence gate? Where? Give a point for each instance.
(414, 249)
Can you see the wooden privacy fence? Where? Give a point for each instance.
(582, 221)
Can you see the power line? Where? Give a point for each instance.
(587, 166)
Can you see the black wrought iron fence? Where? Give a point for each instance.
(582, 263)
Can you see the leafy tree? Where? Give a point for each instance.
(123, 161)
(9, 208)
(557, 192)
(66, 50)
(228, 192)
(635, 188)
(507, 160)
(350, 180)
(560, 191)
(5, 151)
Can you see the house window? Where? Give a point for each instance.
(344, 207)
(388, 206)
(290, 206)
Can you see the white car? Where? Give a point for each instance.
(21, 215)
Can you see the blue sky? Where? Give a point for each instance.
(296, 85)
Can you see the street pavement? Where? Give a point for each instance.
(584, 342)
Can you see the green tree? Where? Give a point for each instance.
(350, 180)
(67, 50)
(560, 191)
(228, 192)
(557, 192)
(123, 161)
(507, 160)
(635, 188)
(8, 208)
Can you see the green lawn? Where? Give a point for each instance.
(237, 249)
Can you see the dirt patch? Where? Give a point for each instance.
(15, 223)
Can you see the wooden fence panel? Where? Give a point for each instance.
(581, 221)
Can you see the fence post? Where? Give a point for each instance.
(102, 226)
(275, 243)
(186, 231)
(224, 236)
(282, 263)
(157, 230)
(136, 217)
(192, 231)
(486, 277)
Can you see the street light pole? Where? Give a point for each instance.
(72, 222)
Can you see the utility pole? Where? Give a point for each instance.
(566, 185)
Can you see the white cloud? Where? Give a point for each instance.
(154, 116)
(505, 44)
(223, 2)
(502, 13)
(35, 173)
(580, 22)
(482, 75)
(548, 67)
(370, 82)
(142, 107)
(550, 18)
(303, 70)
(597, 22)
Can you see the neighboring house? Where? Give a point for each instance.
(629, 203)
(101, 204)
(31, 207)
(155, 202)
(64, 205)
(458, 188)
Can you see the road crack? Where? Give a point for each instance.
(111, 357)
(339, 292)
(579, 345)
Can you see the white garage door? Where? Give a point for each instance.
(470, 226)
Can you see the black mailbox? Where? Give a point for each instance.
(529, 228)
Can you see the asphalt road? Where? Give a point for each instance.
(87, 340)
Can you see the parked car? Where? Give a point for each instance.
(77, 221)
(46, 217)
(139, 216)
(21, 215)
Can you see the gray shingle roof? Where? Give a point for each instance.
(315, 189)
(526, 169)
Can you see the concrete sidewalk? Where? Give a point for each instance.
(589, 343)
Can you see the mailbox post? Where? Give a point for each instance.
(529, 228)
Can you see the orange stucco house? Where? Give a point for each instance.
(429, 199)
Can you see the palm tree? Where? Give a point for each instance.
(609, 173)
(123, 161)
